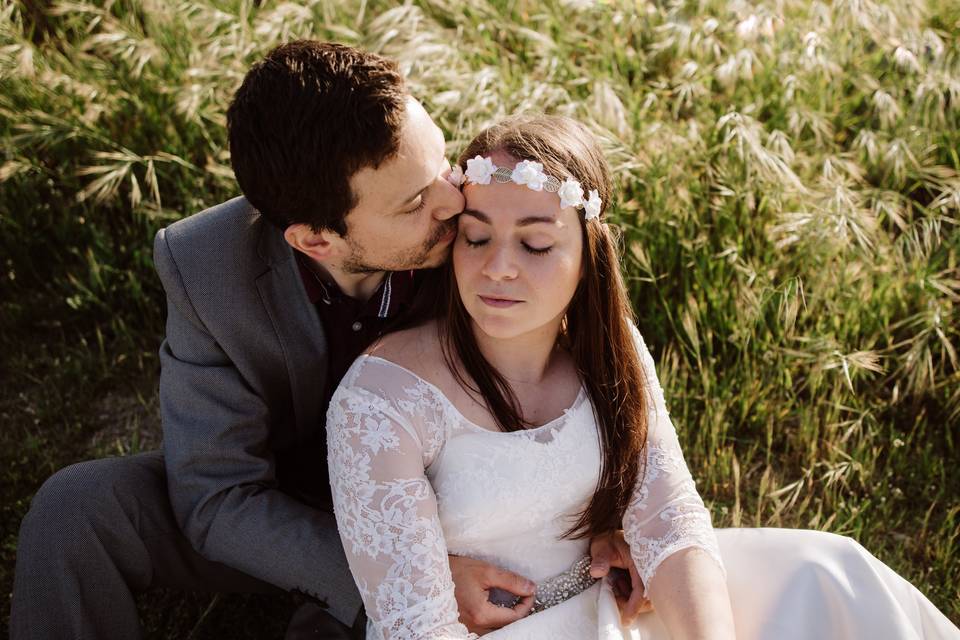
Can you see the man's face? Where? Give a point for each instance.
(405, 209)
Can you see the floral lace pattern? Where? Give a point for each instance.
(412, 480)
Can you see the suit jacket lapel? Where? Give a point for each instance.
(297, 325)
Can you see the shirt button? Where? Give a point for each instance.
(357, 326)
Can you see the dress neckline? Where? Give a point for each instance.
(581, 396)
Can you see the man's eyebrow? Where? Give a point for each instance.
(523, 222)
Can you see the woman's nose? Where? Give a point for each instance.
(500, 265)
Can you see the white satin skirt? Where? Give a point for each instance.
(784, 584)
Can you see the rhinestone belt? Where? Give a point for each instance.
(564, 586)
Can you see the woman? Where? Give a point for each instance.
(528, 418)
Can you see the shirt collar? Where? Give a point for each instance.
(391, 296)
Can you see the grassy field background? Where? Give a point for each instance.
(787, 185)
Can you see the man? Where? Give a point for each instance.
(270, 297)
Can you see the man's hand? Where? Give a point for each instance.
(608, 553)
(472, 581)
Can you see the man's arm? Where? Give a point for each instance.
(221, 472)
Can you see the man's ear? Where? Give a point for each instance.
(321, 246)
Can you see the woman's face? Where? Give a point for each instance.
(517, 257)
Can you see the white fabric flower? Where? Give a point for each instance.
(455, 177)
(529, 173)
(480, 169)
(571, 194)
(591, 208)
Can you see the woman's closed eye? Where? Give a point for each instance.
(541, 251)
(537, 251)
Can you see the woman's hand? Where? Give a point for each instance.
(473, 580)
(608, 552)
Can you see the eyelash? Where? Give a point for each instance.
(419, 207)
(529, 249)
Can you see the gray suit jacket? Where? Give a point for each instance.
(243, 369)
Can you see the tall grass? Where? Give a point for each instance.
(787, 185)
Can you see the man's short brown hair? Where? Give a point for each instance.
(306, 118)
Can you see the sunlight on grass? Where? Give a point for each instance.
(788, 188)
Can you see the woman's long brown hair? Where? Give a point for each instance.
(596, 329)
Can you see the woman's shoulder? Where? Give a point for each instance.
(416, 349)
(401, 346)
(397, 376)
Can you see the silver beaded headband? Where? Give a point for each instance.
(481, 170)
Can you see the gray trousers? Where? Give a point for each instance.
(99, 532)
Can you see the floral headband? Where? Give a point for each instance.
(480, 170)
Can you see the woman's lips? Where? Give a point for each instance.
(500, 303)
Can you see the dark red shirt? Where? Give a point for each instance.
(351, 325)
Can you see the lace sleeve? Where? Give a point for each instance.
(383, 429)
(665, 514)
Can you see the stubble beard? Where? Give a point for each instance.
(358, 262)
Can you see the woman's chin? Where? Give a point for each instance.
(499, 327)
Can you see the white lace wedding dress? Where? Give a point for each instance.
(414, 480)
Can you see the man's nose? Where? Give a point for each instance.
(452, 202)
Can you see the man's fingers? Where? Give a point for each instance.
(601, 552)
(633, 606)
(599, 568)
(525, 605)
(609, 550)
(621, 605)
(509, 581)
(476, 583)
(635, 603)
(495, 617)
